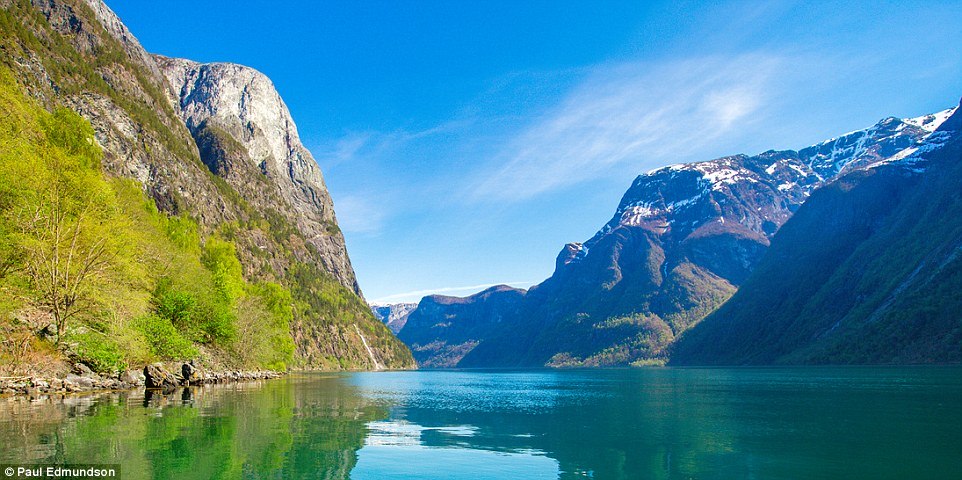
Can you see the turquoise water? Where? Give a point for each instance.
(791, 423)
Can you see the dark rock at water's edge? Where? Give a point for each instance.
(156, 376)
(190, 373)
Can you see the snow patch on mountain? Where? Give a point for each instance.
(932, 121)
(762, 191)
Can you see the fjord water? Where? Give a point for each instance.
(644, 423)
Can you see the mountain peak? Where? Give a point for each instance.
(226, 99)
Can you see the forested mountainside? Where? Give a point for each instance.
(682, 240)
(206, 225)
(868, 271)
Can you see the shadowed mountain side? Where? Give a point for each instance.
(443, 329)
(868, 271)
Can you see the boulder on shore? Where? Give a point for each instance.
(155, 376)
(191, 374)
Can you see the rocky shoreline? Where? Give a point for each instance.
(157, 376)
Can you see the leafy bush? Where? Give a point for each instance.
(220, 257)
(176, 307)
(99, 352)
(164, 339)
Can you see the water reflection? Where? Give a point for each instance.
(613, 424)
(400, 449)
(680, 423)
(300, 427)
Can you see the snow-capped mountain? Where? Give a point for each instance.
(758, 193)
(867, 271)
(682, 240)
(394, 315)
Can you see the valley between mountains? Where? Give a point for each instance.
(157, 209)
(841, 252)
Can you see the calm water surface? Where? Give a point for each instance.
(791, 423)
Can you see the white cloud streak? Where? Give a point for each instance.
(358, 214)
(630, 114)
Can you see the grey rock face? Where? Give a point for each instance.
(394, 315)
(244, 103)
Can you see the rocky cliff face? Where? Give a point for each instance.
(681, 241)
(226, 105)
(865, 272)
(394, 315)
(215, 143)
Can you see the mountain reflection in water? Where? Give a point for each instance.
(644, 423)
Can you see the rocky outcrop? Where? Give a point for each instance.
(156, 376)
(230, 108)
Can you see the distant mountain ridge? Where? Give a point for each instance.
(394, 315)
(443, 329)
(682, 240)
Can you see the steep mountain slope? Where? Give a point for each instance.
(250, 184)
(226, 106)
(868, 271)
(681, 241)
(443, 329)
(394, 315)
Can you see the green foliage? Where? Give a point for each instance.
(264, 317)
(99, 352)
(220, 257)
(158, 288)
(73, 135)
(164, 338)
(176, 307)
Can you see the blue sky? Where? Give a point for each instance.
(465, 143)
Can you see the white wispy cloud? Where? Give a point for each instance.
(637, 114)
(416, 295)
(359, 214)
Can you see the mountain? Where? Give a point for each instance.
(244, 130)
(213, 144)
(867, 271)
(683, 239)
(394, 315)
(443, 329)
